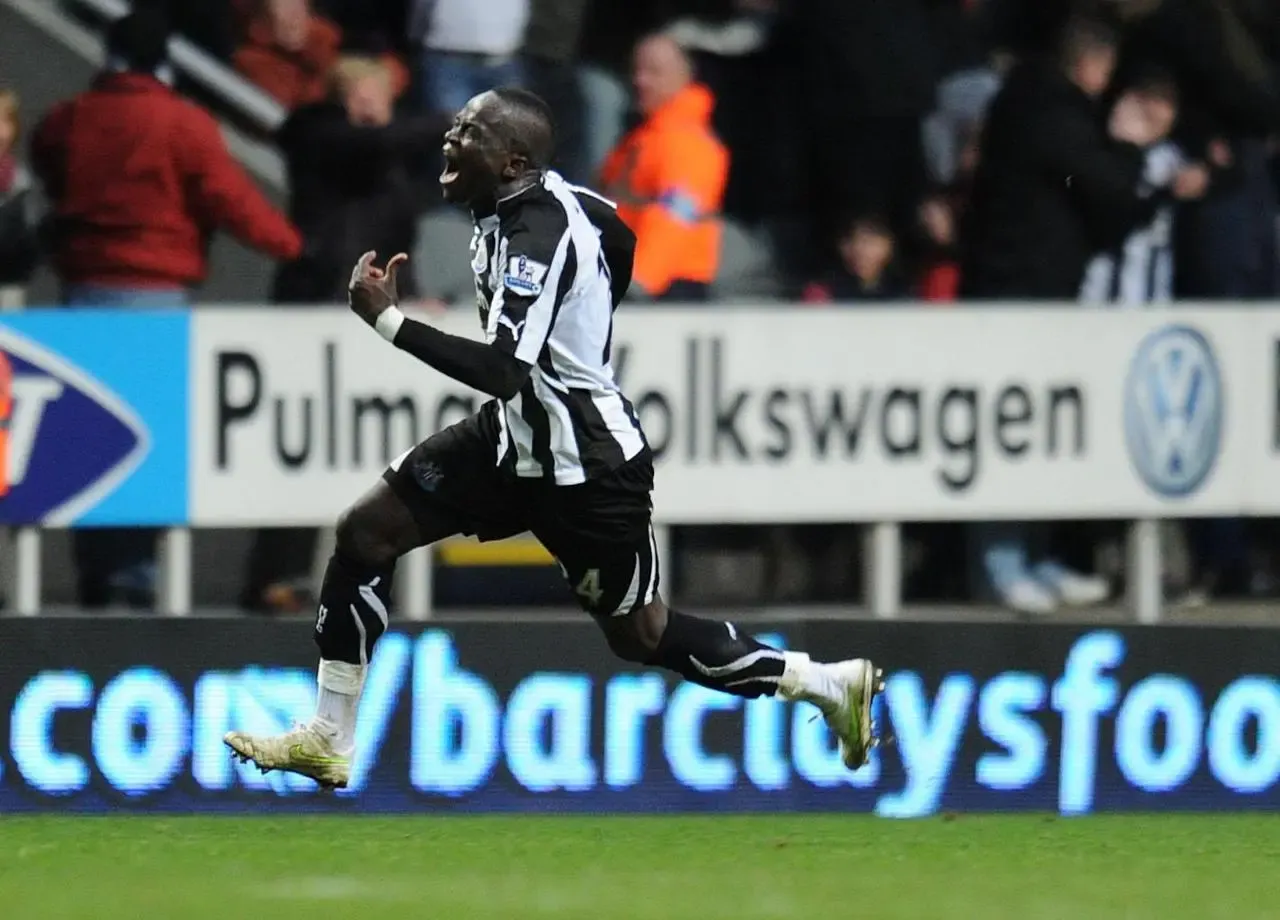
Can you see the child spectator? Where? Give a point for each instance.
(867, 272)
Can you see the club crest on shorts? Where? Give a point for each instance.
(524, 276)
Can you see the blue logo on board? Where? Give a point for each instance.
(1173, 410)
(72, 440)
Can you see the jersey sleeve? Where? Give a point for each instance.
(538, 267)
(616, 240)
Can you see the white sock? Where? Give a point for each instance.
(807, 680)
(337, 702)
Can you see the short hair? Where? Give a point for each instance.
(672, 38)
(1084, 35)
(1154, 81)
(532, 130)
(870, 221)
(11, 109)
(141, 38)
(352, 67)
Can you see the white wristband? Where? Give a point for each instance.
(389, 322)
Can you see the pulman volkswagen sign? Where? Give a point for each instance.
(782, 415)
(1173, 410)
(233, 417)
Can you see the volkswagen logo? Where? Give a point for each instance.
(1173, 409)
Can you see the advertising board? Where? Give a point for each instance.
(787, 415)
(244, 417)
(97, 432)
(128, 714)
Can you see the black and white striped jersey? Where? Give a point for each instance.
(545, 266)
(1140, 270)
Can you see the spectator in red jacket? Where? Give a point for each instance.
(289, 51)
(138, 179)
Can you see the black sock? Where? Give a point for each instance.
(716, 655)
(353, 610)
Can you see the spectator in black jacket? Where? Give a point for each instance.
(1053, 186)
(358, 180)
(354, 187)
(1224, 56)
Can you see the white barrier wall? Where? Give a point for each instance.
(268, 416)
(789, 415)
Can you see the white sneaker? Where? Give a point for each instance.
(304, 751)
(1026, 595)
(848, 715)
(1078, 590)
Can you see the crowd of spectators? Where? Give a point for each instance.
(1103, 151)
(842, 120)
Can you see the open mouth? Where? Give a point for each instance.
(450, 173)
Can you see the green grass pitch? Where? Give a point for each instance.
(646, 868)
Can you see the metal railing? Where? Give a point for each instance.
(260, 109)
(414, 584)
(258, 114)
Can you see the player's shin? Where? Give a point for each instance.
(351, 616)
(718, 655)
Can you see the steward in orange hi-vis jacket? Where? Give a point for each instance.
(668, 177)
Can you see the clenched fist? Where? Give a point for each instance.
(373, 289)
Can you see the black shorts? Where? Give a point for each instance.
(601, 531)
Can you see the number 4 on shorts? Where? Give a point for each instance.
(589, 587)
